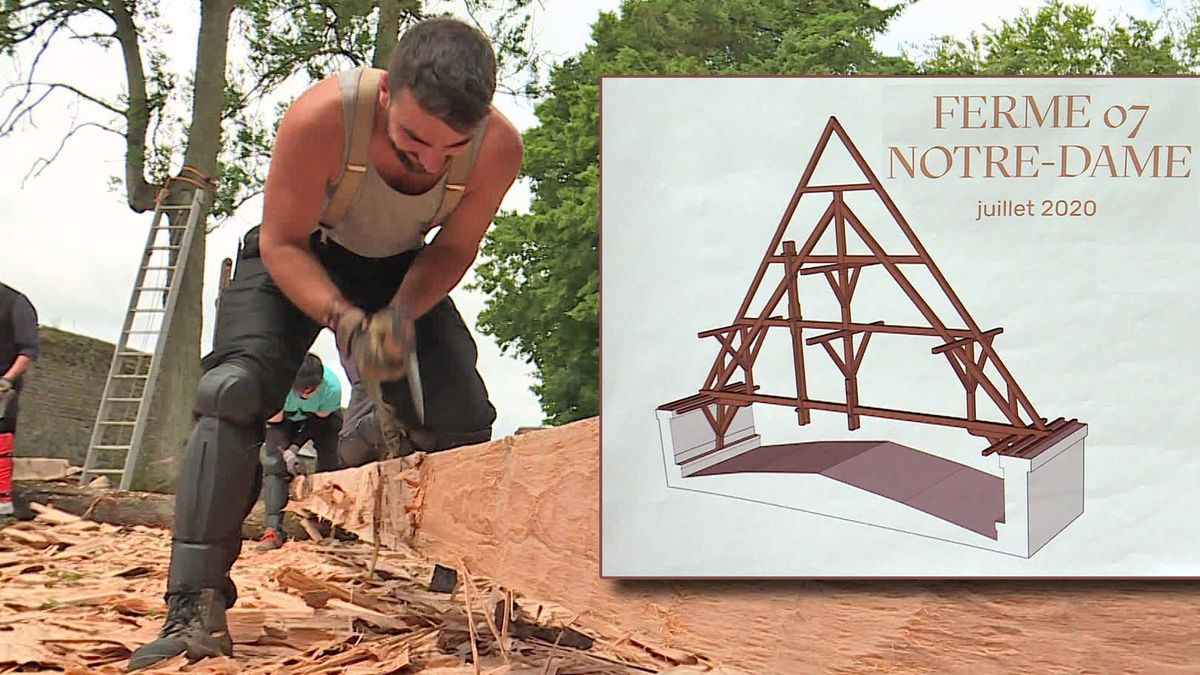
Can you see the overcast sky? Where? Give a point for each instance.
(70, 243)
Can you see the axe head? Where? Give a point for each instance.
(414, 387)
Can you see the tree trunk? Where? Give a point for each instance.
(387, 33)
(392, 14)
(127, 508)
(171, 409)
(139, 193)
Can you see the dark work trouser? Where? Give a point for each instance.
(8, 423)
(261, 336)
(322, 431)
(361, 439)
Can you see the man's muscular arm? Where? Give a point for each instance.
(441, 265)
(306, 157)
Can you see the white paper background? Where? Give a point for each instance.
(1100, 318)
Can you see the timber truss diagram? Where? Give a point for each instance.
(1027, 487)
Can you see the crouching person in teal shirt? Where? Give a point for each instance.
(311, 412)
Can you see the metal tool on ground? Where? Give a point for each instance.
(136, 364)
(508, 616)
(444, 580)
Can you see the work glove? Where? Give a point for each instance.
(291, 459)
(6, 385)
(346, 321)
(381, 352)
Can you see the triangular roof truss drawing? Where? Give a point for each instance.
(968, 349)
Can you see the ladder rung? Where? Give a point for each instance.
(151, 310)
(139, 354)
(164, 248)
(107, 471)
(111, 447)
(118, 424)
(158, 268)
(174, 207)
(153, 288)
(124, 399)
(130, 377)
(142, 332)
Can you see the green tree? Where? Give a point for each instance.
(1063, 39)
(541, 269)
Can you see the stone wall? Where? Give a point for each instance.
(62, 393)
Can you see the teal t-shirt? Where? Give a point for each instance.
(326, 399)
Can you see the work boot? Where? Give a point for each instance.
(195, 625)
(270, 540)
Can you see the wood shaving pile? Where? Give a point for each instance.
(78, 597)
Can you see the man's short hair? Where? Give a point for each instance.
(311, 373)
(449, 67)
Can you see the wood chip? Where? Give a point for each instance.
(78, 597)
(311, 528)
(41, 468)
(28, 538)
(49, 514)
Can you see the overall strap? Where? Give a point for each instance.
(360, 139)
(456, 178)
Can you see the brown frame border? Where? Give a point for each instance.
(600, 321)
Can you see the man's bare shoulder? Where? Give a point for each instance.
(501, 151)
(319, 107)
(314, 122)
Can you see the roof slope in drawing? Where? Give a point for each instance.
(842, 246)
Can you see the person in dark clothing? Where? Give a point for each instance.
(311, 412)
(18, 350)
(361, 439)
(366, 166)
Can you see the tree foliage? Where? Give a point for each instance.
(1061, 38)
(274, 43)
(541, 269)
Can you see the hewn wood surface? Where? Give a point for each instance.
(525, 511)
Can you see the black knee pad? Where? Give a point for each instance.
(275, 498)
(216, 478)
(230, 392)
